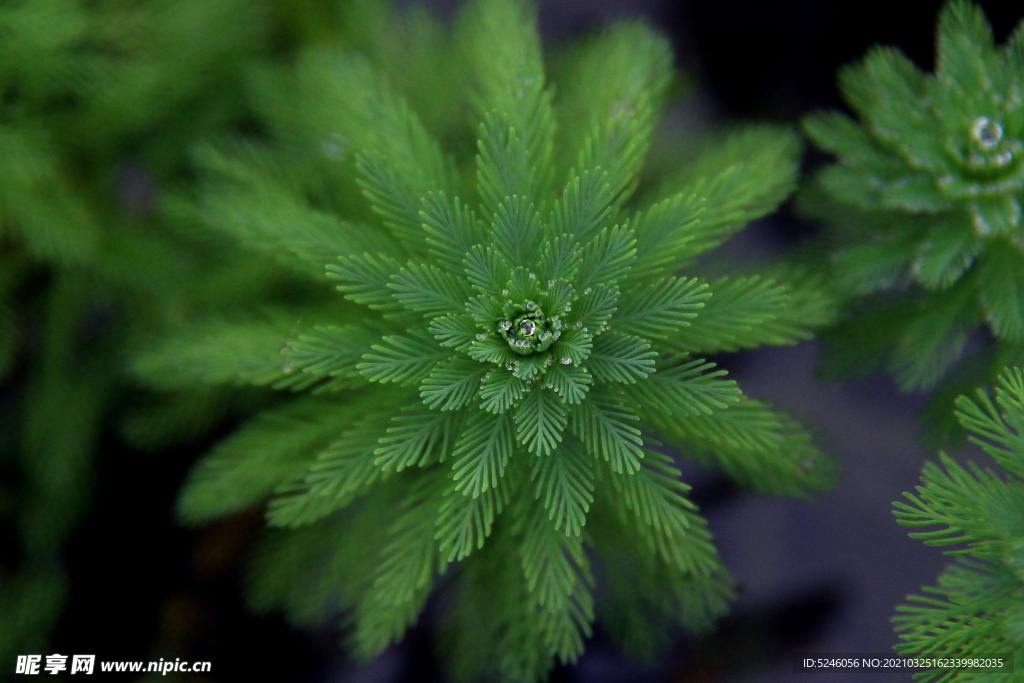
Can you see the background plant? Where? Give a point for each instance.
(488, 409)
(97, 103)
(976, 607)
(924, 210)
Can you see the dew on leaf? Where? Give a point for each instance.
(333, 146)
(987, 132)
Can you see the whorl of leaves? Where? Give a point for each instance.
(924, 205)
(976, 606)
(516, 331)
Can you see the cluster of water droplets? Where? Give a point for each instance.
(531, 326)
(526, 325)
(990, 150)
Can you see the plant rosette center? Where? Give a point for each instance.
(982, 161)
(526, 327)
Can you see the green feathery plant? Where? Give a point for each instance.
(924, 208)
(978, 606)
(484, 407)
(86, 87)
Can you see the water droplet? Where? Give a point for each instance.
(565, 361)
(287, 368)
(576, 298)
(527, 328)
(543, 335)
(530, 306)
(533, 275)
(588, 290)
(578, 325)
(987, 132)
(1003, 158)
(504, 292)
(551, 283)
(508, 367)
(557, 335)
(506, 325)
(556, 323)
(333, 146)
(543, 293)
(481, 336)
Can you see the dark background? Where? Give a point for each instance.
(821, 576)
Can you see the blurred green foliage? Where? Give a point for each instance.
(99, 101)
